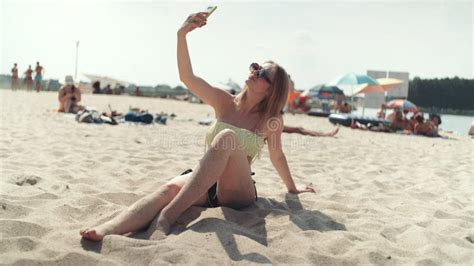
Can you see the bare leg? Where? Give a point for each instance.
(211, 167)
(67, 106)
(139, 214)
(38, 86)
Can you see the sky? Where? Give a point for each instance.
(315, 41)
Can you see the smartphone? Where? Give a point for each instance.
(209, 10)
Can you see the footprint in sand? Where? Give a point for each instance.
(470, 238)
(26, 179)
(15, 228)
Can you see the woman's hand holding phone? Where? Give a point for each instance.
(196, 20)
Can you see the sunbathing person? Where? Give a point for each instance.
(345, 108)
(244, 123)
(307, 132)
(436, 120)
(69, 97)
(398, 123)
(425, 128)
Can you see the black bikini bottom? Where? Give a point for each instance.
(212, 201)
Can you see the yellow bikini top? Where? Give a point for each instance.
(250, 142)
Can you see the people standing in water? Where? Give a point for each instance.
(14, 72)
(28, 80)
(38, 76)
(244, 123)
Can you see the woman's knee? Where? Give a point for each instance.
(171, 189)
(225, 139)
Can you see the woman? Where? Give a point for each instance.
(426, 128)
(69, 97)
(223, 176)
(28, 78)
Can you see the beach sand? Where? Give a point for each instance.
(381, 198)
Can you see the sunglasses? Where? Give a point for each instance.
(260, 72)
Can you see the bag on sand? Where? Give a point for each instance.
(91, 116)
(143, 117)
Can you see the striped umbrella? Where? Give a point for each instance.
(353, 79)
(385, 84)
(404, 105)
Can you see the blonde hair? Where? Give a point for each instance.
(272, 105)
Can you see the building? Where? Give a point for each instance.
(374, 100)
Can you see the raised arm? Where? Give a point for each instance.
(215, 97)
(278, 158)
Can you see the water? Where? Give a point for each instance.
(459, 124)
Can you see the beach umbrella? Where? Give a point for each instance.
(384, 84)
(353, 80)
(404, 105)
(322, 91)
(331, 90)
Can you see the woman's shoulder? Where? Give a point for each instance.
(273, 125)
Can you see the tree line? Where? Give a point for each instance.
(454, 95)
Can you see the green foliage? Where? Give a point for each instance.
(442, 94)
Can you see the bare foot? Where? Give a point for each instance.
(96, 233)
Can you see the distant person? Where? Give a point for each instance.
(396, 112)
(38, 76)
(118, 90)
(382, 112)
(397, 121)
(471, 130)
(292, 102)
(96, 87)
(14, 77)
(296, 102)
(345, 108)
(107, 89)
(422, 127)
(28, 78)
(137, 92)
(410, 126)
(435, 120)
(339, 102)
(69, 97)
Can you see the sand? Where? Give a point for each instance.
(381, 198)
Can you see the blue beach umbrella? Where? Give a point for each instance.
(353, 80)
(322, 91)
